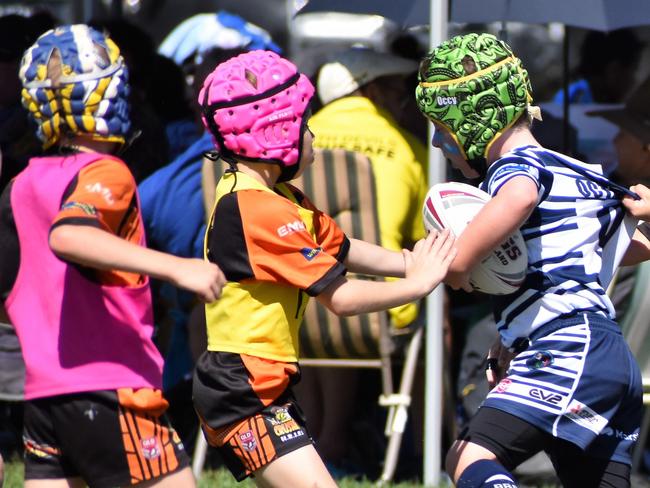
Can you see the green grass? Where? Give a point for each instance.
(223, 479)
(218, 478)
(13, 474)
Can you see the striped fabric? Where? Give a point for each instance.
(341, 184)
(574, 239)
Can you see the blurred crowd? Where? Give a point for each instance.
(365, 104)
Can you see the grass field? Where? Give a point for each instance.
(218, 478)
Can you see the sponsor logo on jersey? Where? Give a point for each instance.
(84, 207)
(310, 253)
(248, 440)
(291, 227)
(150, 448)
(102, 190)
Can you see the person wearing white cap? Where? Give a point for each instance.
(364, 94)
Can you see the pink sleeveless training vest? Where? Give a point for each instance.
(76, 335)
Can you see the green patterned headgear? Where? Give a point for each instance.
(476, 88)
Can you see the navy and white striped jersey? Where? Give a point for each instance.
(574, 240)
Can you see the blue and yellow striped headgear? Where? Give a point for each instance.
(89, 93)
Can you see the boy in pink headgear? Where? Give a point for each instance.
(276, 250)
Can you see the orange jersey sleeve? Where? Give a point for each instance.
(262, 236)
(103, 195)
(328, 233)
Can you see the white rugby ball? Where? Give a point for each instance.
(453, 206)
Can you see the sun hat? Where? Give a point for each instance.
(349, 70)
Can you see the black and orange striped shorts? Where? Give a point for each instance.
(107, 438)
(254, 442)
(248, 410)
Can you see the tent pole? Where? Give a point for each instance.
(438, 18)
(566, 139)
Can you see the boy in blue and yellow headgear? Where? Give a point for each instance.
(74, 270)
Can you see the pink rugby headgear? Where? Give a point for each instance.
(254, 105)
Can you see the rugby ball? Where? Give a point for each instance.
(453, 206)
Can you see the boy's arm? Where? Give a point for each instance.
(638, 250)
(366, 258)
(497, 220)
(426, 267)
(93, 247)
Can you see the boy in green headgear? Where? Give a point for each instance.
(557, 332)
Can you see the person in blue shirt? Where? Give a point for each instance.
(607, 68)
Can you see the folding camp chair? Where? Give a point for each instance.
(342, 184)
(12, 387)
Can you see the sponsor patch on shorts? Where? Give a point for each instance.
(584, 416)
(248, 441)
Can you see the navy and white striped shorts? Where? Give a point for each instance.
(578, 381)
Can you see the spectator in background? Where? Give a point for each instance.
(363, 94)
(17, 140)
(73, 279)
(147, 148)
(191, 39)
(407, 45)
(632, 142)
(170, 97)
(607, 68)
